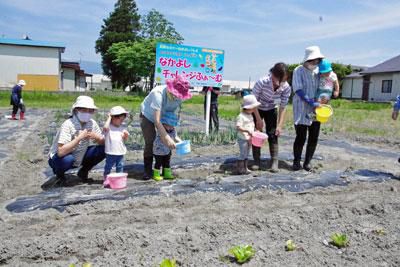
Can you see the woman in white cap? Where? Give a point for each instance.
(78, 143)
(17, 102)
(162, 99)
(305, 84)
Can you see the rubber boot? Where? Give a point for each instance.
(148, 168)
(297, 157)
(245, 167)
(13, 116)
(157, 175)
(168, 174)
(22, 116)
(83, 174)
(240, 167)
(273, 150)
(257, 158)
(309, 155)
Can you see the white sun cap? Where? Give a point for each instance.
(22, 82)
(118, 110)
(84, 101)
(312, 52)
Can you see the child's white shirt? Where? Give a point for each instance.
(114, 143)
(246, 122)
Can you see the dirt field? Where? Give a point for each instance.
(197, 229)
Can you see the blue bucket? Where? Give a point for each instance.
(183, 148)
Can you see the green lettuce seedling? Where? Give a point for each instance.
(242, 254)
(339, 240)
(290, 245)
(168, 263)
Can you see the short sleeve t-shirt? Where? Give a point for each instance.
(245, 121)
(114, 143)
(153, 101)
(327, 83)
(69, 130)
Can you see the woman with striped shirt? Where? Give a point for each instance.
(271, 91)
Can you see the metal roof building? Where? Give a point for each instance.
(36, 62)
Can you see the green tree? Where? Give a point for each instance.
(155, 26)
(122, 25)
(133, 59)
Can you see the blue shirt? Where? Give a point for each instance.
(158, 99)
(306, 80)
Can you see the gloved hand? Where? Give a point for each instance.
(21, 101)
(306, 99)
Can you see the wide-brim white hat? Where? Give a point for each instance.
(312, 52)
(249, 102)
(22, 82)
(84, 101)
(118, 110)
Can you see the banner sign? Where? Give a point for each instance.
(200, 66)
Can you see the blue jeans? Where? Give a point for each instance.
(93, 156)
(118, 160)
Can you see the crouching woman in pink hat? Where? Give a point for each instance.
(78, 143)
(160, 101)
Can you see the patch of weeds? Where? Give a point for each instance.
(290, 245)
(22, 156)
(339, 240)
(86, 264)
(228, 136)
(242, 254)
(168, 263)
(379, 231)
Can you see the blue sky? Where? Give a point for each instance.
(254, 33)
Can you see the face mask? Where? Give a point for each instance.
(84, 116)
(311, 66)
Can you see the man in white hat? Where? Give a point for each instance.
(305, 84)
(78, 143)
(17, 102)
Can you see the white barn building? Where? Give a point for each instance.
(36, 62)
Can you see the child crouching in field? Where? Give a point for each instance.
(115, 135)
(162, 153)
(245, 127)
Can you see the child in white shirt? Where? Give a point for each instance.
(115, 135)
(328, 83)
(245, 127)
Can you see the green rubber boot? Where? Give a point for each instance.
(168, 174)
(156, 175)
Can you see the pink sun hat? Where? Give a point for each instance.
(179, 87)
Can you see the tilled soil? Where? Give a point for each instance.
(198, 229)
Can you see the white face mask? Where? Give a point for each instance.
(83, 116)
(311, 66)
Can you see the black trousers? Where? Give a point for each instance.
(19, 106)
(213, 116)
(162, 161)
(270, 118)
(301, 135)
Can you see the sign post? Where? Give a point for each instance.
(201, 67)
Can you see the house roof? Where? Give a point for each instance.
(28, 42)
(391, 65)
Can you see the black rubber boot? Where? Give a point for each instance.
(273, 150)
(257, 158)
(83, 174)
(297, 150)
(148, 168)
(309, 155)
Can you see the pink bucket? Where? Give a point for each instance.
(258, 139)
(116, 180)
